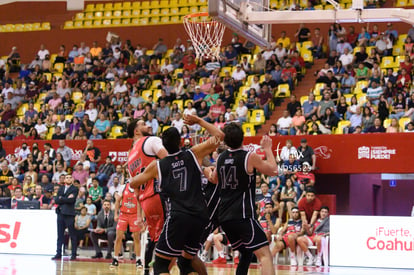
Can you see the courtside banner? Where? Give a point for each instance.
(372, 241)
(335, 154)
(28, 231)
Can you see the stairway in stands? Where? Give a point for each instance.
(303, 88)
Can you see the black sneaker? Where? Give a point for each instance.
(114, 263)
(108, 256)
(97, 256)
(138, 263)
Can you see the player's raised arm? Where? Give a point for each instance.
(208, 146)
(149, 173)
(268, 166)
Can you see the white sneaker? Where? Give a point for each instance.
(310, 261)
(203, 257)
(293, 261)
(318, 261)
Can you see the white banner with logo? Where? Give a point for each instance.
(372, 241)
(28, 231)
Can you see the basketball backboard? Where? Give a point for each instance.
(229, 12)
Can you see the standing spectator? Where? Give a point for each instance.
(106, 229)
(264, 99)
(159, 49)
(302, 34)
(65, 199)
(163, 113)
(309, 207)
(105, 171)
(93, 155)
(306, 154)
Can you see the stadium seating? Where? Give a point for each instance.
(27, 27)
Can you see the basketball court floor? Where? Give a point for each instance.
(11, 264)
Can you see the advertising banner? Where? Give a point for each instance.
(372, 241)
(28, 232)
(335, 154)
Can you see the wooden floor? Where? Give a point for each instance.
(27, 264)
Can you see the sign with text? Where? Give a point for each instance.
(335, 154)
(372, 241)
(28, 232)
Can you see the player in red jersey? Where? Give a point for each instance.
(145, 149)
(129, 215)
(314, 236)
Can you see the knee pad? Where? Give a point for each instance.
(184, 265)
(210, 237)
(161, 265)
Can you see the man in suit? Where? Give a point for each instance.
(65, 199)
(105, 229)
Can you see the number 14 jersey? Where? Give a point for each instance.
(236, 186)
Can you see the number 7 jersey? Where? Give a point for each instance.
(237, 187)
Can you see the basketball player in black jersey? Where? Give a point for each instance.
(236, 176)
(179, 176)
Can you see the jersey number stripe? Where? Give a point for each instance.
(229, 178)
(181, 174)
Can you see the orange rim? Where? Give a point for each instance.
(198, 14)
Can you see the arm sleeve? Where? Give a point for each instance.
(152, 146)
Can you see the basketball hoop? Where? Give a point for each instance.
(205, 33)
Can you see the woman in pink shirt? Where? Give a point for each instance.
(297, 120)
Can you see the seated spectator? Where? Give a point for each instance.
(410, 128)
(309, 207)
(306, 154)
(287, 150)
(96, 193)
(310, 106)
(103, 125)
(273, 131)
(297, 120)
(367, 119)
(230, 57)
(264, 99)
(18, 196)
(347, 83)
(106, 229)
(374, 92)
(328, 121)
(288, 235)
(152, 122)
(284, 123)
(394, 126)
(178, 122)
(398, 107)
(82, 222)
(269, 221)
(314, 129)
(80, 174)
(314, 235)
(327, 102)
(259, 64)
(105, 171)
(58, 134)
(287, 197)
(116, 187)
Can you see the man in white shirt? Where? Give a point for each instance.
(346, 58)
(23, 152)
(120, 87)
(268, 53)
(239, 75)
(41, 128)
(287, 150)
(83, 49)
(374, 92)
(42, 52)
(284, 123)
(178, 122)
(92, 112)
(6, 90)
(280, 52)
(167, 66)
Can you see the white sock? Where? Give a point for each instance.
(319, 253)
(205, 252)
(236, 254)
(310, 256)
(221, 254)
(292, 253)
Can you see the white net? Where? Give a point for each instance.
(206, 34)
